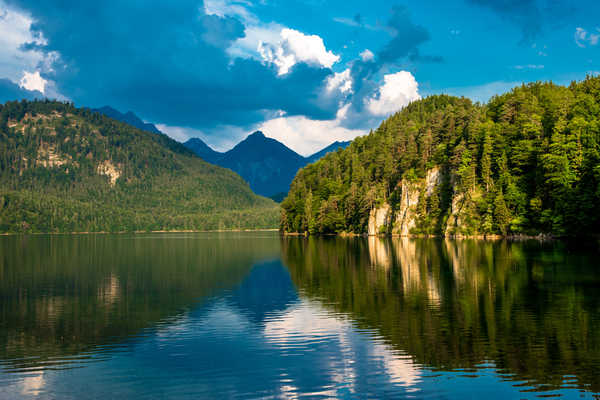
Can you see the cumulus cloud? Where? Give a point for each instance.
(295, 47)
(189, 78)
(12, 91)
(33, 81)
(217, 71)
(306, 135)
(20, 50)
(397, 91)
(341, 81)
(584, 38)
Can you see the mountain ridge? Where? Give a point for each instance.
(129, 118)
(265, 163)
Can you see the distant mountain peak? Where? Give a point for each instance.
(257, 134)
(265, 163)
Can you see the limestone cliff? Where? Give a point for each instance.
(406, 215)
(379, 219)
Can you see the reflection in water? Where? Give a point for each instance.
(255, 315)
(532, 310)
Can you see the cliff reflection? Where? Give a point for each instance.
(532, 309)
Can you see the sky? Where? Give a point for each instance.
(305, 72)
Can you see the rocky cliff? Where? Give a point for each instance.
(405, 217)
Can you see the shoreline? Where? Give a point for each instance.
(141, 232)
(493, 237)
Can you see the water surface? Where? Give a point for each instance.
(254, 315)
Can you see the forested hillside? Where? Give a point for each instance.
(528, 162)
(64, 169)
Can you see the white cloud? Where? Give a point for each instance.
(219, 138)
(15, 32)
(367, 55)
(397, 91)
(248, 46)
(294, 47)
(33, 81)
(307, 136)
(582, 37)
(341, 81)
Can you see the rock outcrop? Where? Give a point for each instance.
(406, 215)
(111, 171)
(379, 219)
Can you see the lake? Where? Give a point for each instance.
(256, 315)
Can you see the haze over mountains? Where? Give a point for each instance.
(266, 164)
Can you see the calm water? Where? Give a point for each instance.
(255, 315)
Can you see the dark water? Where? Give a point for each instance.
(255, 315)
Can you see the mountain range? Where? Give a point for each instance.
(266, 164)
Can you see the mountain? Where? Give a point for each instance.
(526, 163)
(266, 164)
(128, 118)
(322, 153)
(203, 151)
(66, 169)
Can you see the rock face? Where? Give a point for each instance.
(454, 219)
(404, 218)
(432, 180)
(379, 219)
(108, 169)
(406, 215)
(407, 212)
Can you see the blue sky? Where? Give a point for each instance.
(306, 72)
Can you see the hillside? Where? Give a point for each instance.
(65, 169)
(266, 164)
(528, 162)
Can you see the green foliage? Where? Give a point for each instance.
(64, 169)
(527, 162)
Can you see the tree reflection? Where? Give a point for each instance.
(532, 309)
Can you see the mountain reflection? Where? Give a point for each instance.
(531, 309)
